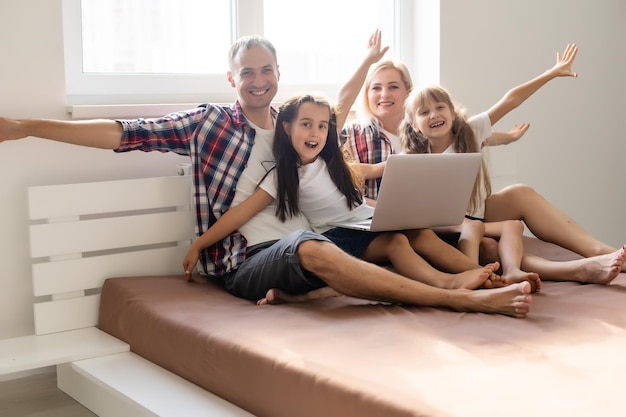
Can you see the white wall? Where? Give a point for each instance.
(572, 154)
(32, 85)
(574, 151)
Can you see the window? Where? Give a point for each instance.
(323, 43)
(153, 36)
(145, 51)
(175, 51)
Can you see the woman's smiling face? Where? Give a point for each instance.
(386, 93)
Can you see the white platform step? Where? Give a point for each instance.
(32, 352)
(126, 384)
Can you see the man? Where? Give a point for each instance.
(229, 147)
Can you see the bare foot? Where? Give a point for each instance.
(623, 269)
(276, 296)
(517, 275)
(513, 300)
(495, 280)
(473, 279)
(601, 269)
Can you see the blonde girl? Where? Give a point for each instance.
(434, 124)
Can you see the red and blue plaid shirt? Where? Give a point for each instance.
(219, 141)
(366, 143)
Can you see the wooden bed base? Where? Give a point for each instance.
(81, 234)
(566, 358)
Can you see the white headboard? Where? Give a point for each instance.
(81, 234)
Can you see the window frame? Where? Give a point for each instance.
(96, 91)
(111, 89)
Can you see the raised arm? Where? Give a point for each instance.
(517, 95)
(350, 90)
(230, 221)
(105, 134)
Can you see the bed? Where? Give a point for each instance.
(347, 357)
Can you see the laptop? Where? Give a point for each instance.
(419, 191)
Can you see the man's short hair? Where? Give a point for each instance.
(247, 42)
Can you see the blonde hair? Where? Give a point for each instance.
(405, 76)
(463, 138)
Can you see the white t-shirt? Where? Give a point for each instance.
(481, 125)
(396, 144)
(265, 225)
(320, 200)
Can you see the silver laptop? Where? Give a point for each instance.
(419, 191)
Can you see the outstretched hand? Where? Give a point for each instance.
(10, 130)
(517, 131)
(563, 66)
(504, 138)
(374, 49)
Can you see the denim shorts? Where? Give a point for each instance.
(351, 241)
(274, 264)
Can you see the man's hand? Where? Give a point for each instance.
(10, 130)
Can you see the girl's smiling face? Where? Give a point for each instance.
(434, 119)
(309, 131)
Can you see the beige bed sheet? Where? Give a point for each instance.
(348, 357)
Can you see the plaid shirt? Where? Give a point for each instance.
(367, 144)
(219, 141)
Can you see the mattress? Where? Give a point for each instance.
(348, 357)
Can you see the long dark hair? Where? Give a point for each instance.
(288, 161)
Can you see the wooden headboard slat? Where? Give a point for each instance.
(57, 239)
(67, 200)
(82, 234)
